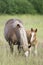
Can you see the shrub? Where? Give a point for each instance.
(21, 6)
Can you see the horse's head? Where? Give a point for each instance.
(33, 35)
(23, 38)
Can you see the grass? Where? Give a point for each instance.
(29, 21)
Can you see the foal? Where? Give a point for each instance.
(32, 39)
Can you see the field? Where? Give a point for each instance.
(29, 21)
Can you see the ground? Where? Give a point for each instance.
(29, 21)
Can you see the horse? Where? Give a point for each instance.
(32, 39)
(15, 34)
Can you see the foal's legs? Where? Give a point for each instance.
(30, 48)
(35, 50)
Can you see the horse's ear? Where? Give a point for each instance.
(36, 30)
(31, 29)
(18, 25)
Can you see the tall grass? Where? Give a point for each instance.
(6, 58)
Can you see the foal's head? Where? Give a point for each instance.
(33, 35)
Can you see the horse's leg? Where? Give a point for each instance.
(35, 50)
(29, 48)
(11, 46)
(19, 49)
(36, 45)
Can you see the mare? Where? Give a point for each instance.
(15, 34)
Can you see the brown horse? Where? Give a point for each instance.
(15, 33)
(32, 39)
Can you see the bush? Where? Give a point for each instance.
(38, 5)
(21, 6)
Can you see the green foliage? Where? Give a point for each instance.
(38, 5)
(21, 6)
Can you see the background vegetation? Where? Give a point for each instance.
(21, 6)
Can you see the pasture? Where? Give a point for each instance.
(29, 21)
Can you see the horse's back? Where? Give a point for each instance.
(10, 28)
(10, 21)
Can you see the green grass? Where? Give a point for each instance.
(29, 21)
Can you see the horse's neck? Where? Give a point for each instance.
(28, 34)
